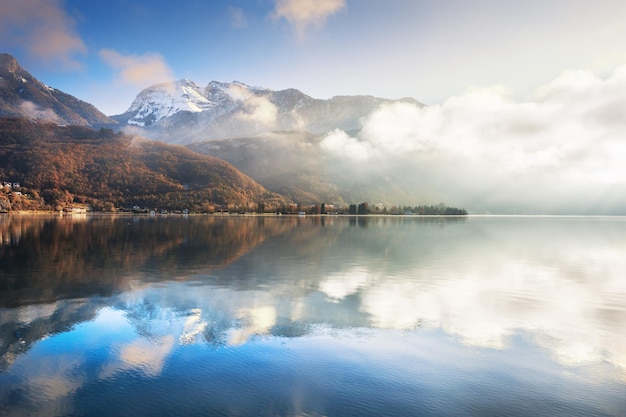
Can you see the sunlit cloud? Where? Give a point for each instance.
(260, 110)
(137, 70)
(340, 143)
(237, 17)
(302, 14)
(44, 29)
(256, 109)
(569, 138)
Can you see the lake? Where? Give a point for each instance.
(312, 316)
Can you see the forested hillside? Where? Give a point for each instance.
(43, 165)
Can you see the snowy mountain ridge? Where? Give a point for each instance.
(183, 112)
(167, 99)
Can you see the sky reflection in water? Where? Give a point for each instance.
(310, 316)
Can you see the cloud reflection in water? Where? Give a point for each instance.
(558, 284)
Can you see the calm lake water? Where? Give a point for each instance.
(311, 316)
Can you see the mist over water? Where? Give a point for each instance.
(333, 316)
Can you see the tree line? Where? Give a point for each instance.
(365, 208)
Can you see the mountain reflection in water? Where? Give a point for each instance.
(109, 298)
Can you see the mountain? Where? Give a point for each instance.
(22, 95)
(295, 165)
(183, 112)
(164, 100)
(289, 163)
(275, 137)
(56, 166)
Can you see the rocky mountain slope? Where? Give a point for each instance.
(22, 95)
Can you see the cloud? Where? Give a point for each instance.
(566, 142)
(256, 321)
(458, 306)
(338, 286)
(43, 29)
(301, 14)
(486, 300)
(30, 110)
(237, 17)
(256, 109)
(141, 355)
(260, 110)
(340, 143)
(483, 309)
(137, 70)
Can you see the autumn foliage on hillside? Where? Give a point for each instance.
(59, 166)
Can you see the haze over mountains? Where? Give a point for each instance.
(558, 153)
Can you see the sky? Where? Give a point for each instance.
(106, 52)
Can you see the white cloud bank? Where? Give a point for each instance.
(568, 142)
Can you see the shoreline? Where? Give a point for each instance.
(253, 214)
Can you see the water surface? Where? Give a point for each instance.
(312, 316)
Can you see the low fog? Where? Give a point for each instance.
(561, 151)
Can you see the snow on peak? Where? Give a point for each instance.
(235, 91)
(165, 99)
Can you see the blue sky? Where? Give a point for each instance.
(106, 52)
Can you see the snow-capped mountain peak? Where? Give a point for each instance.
(182, 112)
(165, 99)
(235, 91)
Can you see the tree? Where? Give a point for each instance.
(364, 208)
(5, 204)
